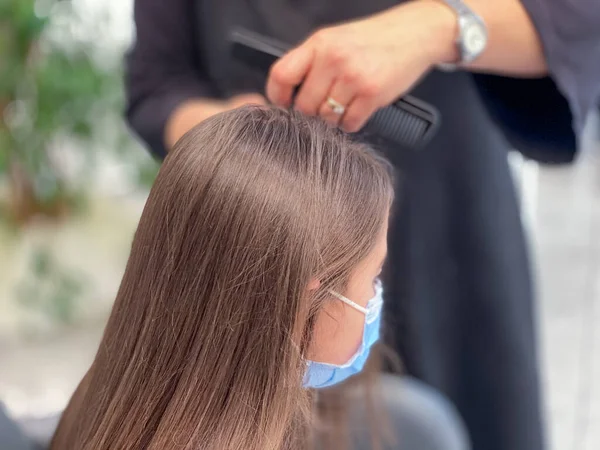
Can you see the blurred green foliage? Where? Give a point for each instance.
(55, 90)
(51, 89)
(50, 289)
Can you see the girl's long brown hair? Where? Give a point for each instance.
(205, 345)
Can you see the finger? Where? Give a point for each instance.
(287, 73)
(342, 93)
(314, 90)
(358, 112)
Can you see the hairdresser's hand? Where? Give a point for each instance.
(365, 64)
(191, 113)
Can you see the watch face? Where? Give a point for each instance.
(474, 38)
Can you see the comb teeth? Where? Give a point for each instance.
(398, 126)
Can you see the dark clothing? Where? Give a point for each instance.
(533, 116)
(570, 34)
(11, 436)
(418, 417)
(459, 295)
(461, 283)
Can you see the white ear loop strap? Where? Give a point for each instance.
(349, 302)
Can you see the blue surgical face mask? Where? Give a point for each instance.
(321, 375)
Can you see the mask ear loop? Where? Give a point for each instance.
(349, 302)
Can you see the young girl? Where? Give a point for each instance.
(253, 278)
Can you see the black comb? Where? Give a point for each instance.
(408, 122)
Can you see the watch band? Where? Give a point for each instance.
(466, 18)
(459, 6)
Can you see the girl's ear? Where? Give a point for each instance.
(314, 284)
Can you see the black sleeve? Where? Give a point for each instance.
(163, 69)
(570, 35)
(543, 118)
(533, 115)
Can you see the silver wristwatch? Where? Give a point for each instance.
(472, 34)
